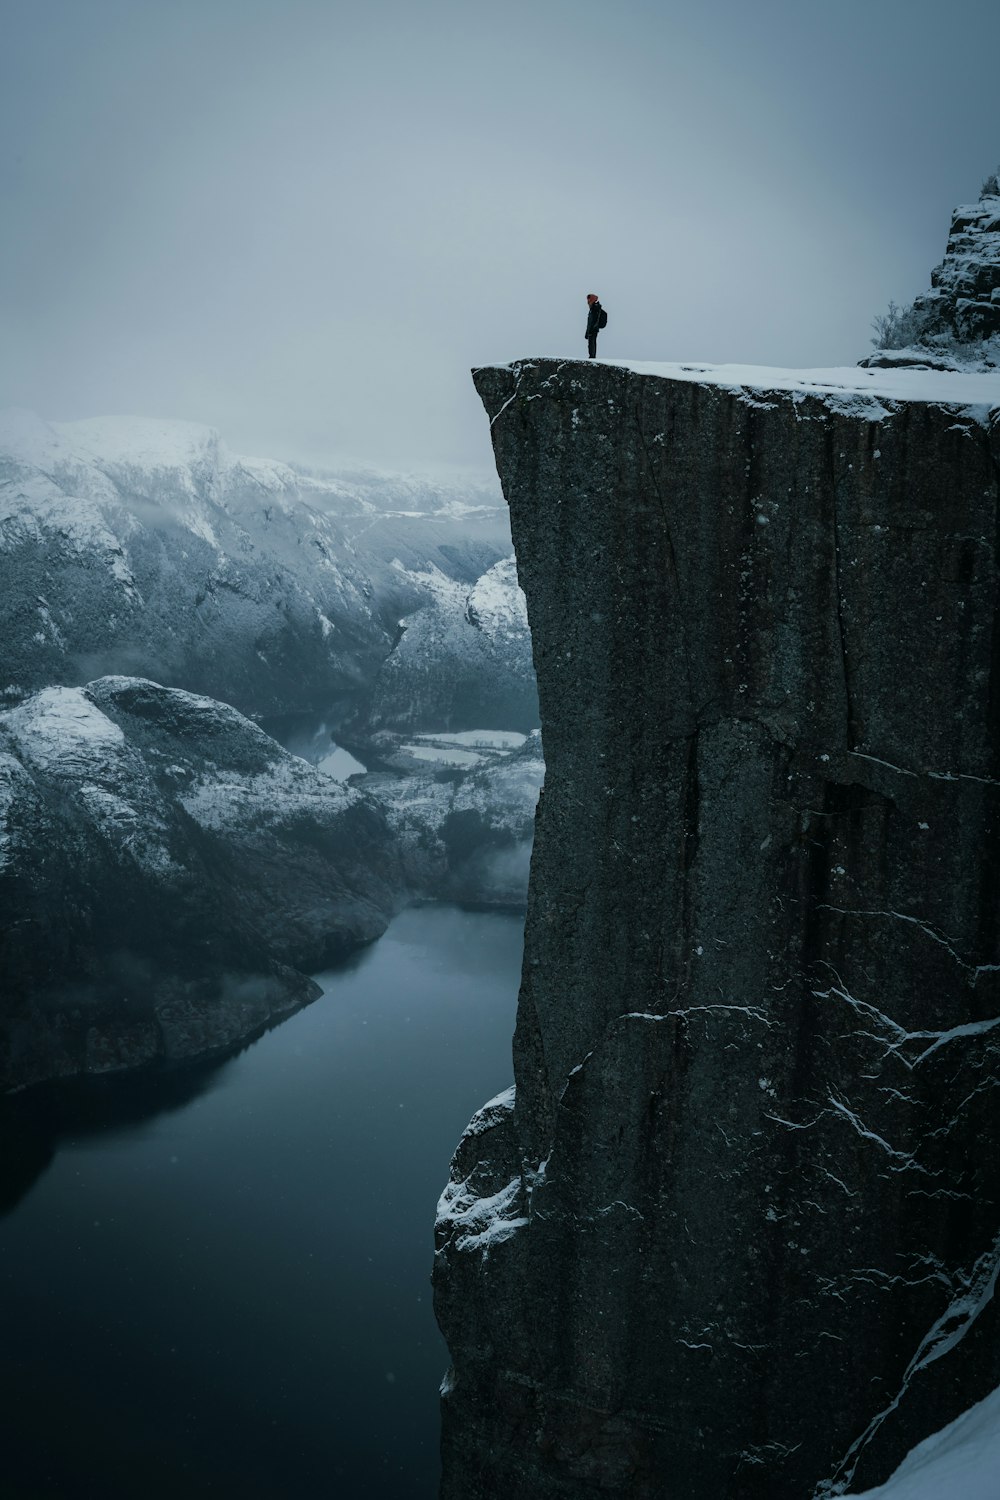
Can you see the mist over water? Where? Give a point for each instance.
(218, 1284)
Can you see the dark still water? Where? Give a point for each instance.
(219, 1285)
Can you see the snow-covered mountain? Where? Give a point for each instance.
(130, 545)
(169, 875)
(463, 658)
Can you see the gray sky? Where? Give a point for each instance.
(303, 220)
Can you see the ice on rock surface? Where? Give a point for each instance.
(482, 1222)
(494, 1109)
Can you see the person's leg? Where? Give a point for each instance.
(592, 346)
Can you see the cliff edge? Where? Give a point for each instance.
(735, 1233)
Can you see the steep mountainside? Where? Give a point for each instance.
(462, 659)
(168, 878)
(736, 1233)
(141, 546)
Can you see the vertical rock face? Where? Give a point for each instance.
(735, 1235)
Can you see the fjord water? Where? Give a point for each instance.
(219, 1284)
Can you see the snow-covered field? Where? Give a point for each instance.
(444, 755)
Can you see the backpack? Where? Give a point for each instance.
(602, 321)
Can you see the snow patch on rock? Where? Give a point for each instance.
(61, 732)
(960, 1461)
(469, 1218)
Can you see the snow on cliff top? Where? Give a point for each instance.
(847, 388)
(844, 387)
(842, 383)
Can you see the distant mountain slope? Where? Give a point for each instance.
(147, 547)
(169, 875)
(463, 658)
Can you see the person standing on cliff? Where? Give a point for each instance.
(594, 323)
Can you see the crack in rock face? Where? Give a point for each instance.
(734, 1234)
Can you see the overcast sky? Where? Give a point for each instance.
(303, 221)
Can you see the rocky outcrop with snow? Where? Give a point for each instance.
(462, 659)
(168, 878)
(146, 547)
(956, 325)
(737, 1233)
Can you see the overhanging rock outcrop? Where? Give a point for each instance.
(735, 1235)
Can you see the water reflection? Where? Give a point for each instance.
(313, 740)
(25, 1152)
(35, 1122)
(219, 1282)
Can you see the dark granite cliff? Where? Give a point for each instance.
(737, 1235)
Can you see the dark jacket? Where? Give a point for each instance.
(594, 319)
